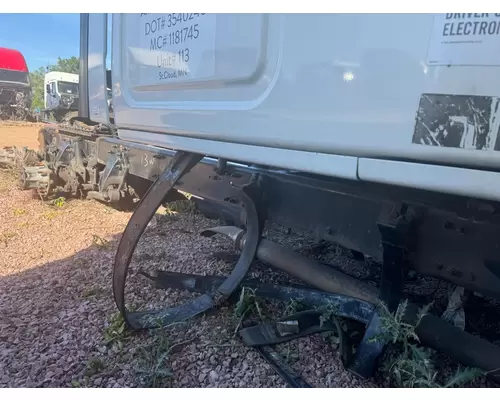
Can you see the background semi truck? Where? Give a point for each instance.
(60, 94)
(15, 87)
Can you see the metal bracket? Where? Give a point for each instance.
(181, 164)
(395, 230)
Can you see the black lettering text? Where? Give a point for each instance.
(482, 28)
(153, 26)
(467, 28)
(446, 29)
(156, 43)
(492, 27)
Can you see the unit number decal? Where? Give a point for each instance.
(176, 47)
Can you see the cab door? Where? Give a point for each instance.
(96, 68)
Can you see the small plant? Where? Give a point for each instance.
(100, 242)
(6, 237)
(246, 305)
(116, 331)
(413, 367)
(152, 369)
(294, 306)
(94, 366)
(92, 292)
(19, 211)
(77, 384)
(50, 215)
(59, 202)
(180, 207)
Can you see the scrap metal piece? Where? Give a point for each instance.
(342, 306)
(181, 163)
(36, 178)
(432, 331)
(285, 328)
(305, 323)
(262, 337)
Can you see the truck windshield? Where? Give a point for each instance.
(7, 75)
(67, 87)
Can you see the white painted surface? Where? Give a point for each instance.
(347, 84)
(61, 76)
(452, 180)
(98, 98)
(314, 163)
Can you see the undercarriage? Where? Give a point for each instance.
(403, 231)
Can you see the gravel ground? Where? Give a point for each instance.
(57, 309)
(58, 320)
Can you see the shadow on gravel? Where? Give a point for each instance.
(58, 324)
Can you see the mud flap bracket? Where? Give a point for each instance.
(395, 227)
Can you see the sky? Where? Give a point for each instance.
(41, 37)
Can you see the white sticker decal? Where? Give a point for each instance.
(176, 47)
(465, 39)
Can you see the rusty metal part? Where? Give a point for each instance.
(7, 157)
(36, 178)
(181, 164)
(12, 157)
(431, 330)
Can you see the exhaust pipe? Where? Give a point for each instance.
(431, 330)
(309, 271)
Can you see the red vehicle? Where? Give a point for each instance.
(15, 87)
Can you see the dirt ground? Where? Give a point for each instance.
(59, 325)
(19, 134)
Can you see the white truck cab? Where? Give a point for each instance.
(352, 96)
(61, 93)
